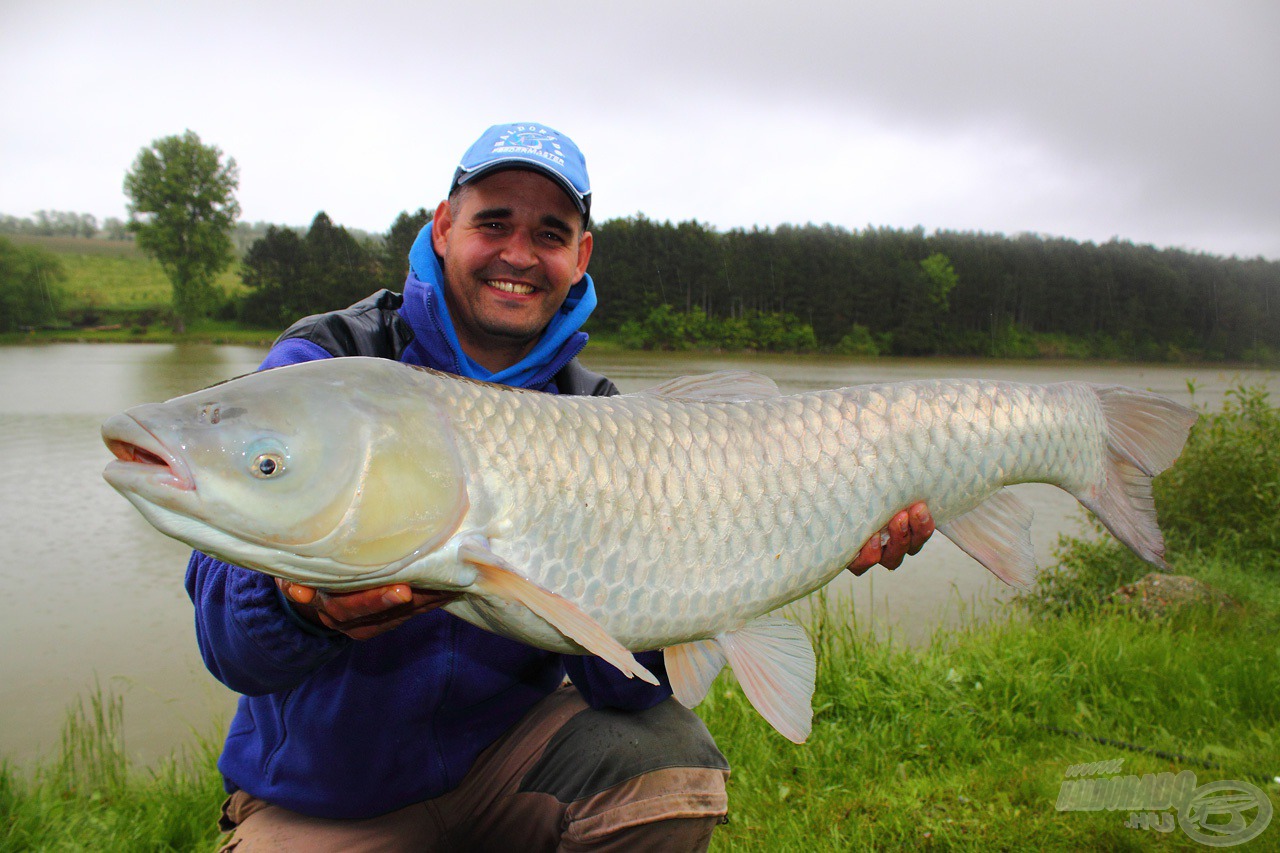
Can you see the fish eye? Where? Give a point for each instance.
(267, 465)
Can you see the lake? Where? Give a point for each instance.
(90, 593)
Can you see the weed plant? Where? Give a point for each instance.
(90, 797)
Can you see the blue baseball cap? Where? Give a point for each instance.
(533, 146)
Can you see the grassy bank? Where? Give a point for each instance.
(90, 797)
(957, 745)
(201, 332)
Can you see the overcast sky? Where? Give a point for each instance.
(1155, 121)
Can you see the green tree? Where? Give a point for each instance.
(399, 239)
(287, 276)
(29, 286)
(339, 270)
(274, 272)
(942, 280)
(182, 208)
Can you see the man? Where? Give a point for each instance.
(374, 719)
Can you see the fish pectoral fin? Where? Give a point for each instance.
(723, 386)
(773, 660)
(997, 533)
(692, 667)
(500, 579)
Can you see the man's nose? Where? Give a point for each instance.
(518, 251)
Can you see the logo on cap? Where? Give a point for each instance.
(532, 140)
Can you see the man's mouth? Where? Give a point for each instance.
(515, 287)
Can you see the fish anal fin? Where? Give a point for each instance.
(997, 533)
(725, 385)
(692, 667)
(773, 661)
(500, 579)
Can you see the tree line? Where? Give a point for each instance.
(63, 223)
(879, 290)
(911, 293)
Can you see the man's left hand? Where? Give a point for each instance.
(905, 534)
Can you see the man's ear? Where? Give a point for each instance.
(441, 222)
(585, 245)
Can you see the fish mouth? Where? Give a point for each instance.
(141, 457)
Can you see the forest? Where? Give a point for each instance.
(874, 291)
(960, 293)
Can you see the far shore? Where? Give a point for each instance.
(229, 334)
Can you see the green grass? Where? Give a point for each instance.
(89, 797)
(949, 745)
(115, 281)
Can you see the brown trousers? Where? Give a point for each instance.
(564, 778)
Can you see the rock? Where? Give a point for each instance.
(1156, 594)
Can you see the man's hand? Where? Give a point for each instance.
(905, 534)
(366, 613)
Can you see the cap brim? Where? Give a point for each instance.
(579, 200)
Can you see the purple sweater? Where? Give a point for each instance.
(331, 727)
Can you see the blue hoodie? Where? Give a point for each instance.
(335, 728)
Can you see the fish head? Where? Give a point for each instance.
(325, 472)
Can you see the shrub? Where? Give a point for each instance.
(858, 342)
(667, 329)
(1224, 492)
(30, 286)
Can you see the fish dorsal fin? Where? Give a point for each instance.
(724, 386)
(997, 533)
(773, 660)
(500, 579)
(692, 667)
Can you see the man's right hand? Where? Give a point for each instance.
(365, 613)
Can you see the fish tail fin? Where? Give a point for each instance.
(1145, 435)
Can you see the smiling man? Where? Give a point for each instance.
(513, 245)
(375, 720)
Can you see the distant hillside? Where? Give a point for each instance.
(110, 278)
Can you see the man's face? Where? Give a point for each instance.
(512, 245)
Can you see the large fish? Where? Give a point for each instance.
(677, 518)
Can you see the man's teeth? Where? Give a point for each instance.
(511, 286)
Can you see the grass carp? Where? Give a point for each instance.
(677, 518)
